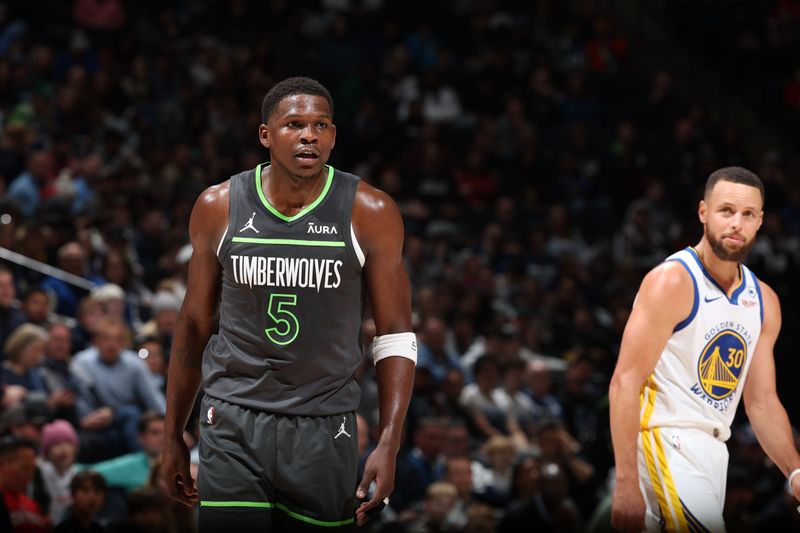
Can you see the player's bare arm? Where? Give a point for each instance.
(665, 299)
(196, 324)
(764, 409)
(379, 230)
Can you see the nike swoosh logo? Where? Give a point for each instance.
(709, 300)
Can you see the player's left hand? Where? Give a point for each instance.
(379, 467)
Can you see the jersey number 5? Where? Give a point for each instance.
(286, 325)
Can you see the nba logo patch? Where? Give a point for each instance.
(676, 441)
(751, 300)
(211, 415)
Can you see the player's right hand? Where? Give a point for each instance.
(175, 471)
(380, 467)
(627, 509)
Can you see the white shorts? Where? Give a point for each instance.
(682, 474)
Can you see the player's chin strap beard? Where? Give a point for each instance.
(700, 251)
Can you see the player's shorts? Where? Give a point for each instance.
(682, 474)
(268, 472)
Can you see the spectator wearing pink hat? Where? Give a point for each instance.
(59, 447)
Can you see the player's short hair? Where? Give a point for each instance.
(734, 175)
(291, 87)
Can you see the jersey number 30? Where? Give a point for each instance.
(286, 325)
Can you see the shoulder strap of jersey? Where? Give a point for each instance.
(349, 185)
(757, 286)
(235, 190)
(685, 258)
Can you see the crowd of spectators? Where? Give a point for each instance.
(539, 173)
(759, 54)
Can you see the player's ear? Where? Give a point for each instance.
(264, 136)
(702, 211)
(333, 141)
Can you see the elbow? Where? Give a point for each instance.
(754, 413)
(616, 386)
(756, 406)
(623, 383)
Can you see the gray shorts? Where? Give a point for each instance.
(276, 472)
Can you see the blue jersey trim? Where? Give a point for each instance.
(760, 298)
(733, 297)
(740, 289)
(695, 305)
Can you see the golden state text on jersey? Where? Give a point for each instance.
(720, 365)
(699, 378)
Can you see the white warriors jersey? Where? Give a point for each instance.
(699, 378)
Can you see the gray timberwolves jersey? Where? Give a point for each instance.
(289, 337)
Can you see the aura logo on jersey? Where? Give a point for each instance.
(322, 229)
(721, 364)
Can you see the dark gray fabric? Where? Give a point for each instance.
(304, 467)
(251, 362)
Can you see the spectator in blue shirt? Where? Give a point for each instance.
(116, 388)
(26, 188)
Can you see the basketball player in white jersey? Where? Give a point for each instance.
(700, 336)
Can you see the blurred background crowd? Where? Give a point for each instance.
(544, 154)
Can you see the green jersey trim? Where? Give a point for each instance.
(313, 521)
(280, 506)
(290, 242)
(261, 505)
(304, 211)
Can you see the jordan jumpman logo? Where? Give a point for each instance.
(342, 431)
(250, 225)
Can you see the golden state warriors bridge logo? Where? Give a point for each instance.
(720, 366)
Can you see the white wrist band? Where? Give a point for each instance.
(794, 474)
(395, 344)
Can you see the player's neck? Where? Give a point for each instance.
(725, 272)
(288, 193)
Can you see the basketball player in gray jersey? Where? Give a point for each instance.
(283, 256)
